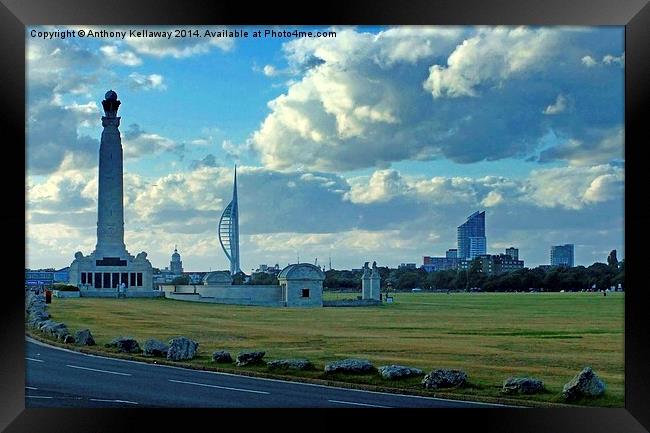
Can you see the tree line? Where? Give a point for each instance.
(598, 276)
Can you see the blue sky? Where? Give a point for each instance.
(371, 145)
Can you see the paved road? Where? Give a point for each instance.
(58, 377)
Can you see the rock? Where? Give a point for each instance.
(584, 384)
(247, 358)
(444, 378)
(522, 385)
(68, 339)
(221, 356)
(125, 344)
(293, 364)
(84, 338)
(181, 348)
(55, 329)
(393, 372)
(153, 347)
(349, 366)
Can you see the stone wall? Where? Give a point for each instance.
(242, 295)
(351, 303)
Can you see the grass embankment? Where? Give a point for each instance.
(551, 336)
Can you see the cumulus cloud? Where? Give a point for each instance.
(609, 59)
(588, 61)
(365, 100)
(146, 82)
(178, 47)
(558, 106)
(114, 55)
(599, 148)
(492, 56)
(269, 70)
(136, 142)
(574, 187)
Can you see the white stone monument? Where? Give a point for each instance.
(110, 266)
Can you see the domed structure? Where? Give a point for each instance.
(302, 271)
(302, 285)
(110, 95)
(176, 265)
(217, 278)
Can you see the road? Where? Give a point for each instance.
(57, 377)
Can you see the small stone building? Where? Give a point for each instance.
(302, 285)
(217, 278)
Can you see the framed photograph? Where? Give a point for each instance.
(326, 213)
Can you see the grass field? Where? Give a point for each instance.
(491, 336)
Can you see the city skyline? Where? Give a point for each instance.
(373, 145)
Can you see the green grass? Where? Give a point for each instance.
(491, 336)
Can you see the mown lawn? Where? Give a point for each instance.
(491, 336)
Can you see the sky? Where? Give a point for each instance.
(371, 145)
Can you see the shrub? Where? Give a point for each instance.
(66, 288)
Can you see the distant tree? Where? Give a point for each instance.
(239, 278)
(612, 261)
(263, 279)
(181, 280)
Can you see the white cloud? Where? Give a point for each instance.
(137, 142)
(558, 106)
(492, 56)
(146, 82)
(574, 187)
(114, 55)
(588, 61)
(269, 70)
(178, 47)
(609, 59)
(382, 186)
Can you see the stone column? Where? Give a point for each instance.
(110, 205)
(365, 282)
(375, 282)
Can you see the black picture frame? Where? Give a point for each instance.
(16, 15)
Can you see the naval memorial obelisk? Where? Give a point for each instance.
(110, 267)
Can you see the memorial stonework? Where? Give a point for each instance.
(110, 268)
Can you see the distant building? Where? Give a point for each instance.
(562, 255)
(471, 236)
(513, 252)
(266, 269)
(176, 265)
(407, 266)
(62, 275)
(433, 264)
(493, 264)
(39, 278)
(452, 253)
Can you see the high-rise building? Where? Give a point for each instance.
(471, 236)
(513, 252)
(229, 230)
(562, 255)
(451, 253)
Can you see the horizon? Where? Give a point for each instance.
(374, 145)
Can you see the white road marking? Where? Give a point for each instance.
(113, 401)
(34, 359)
(100, 371)
(220, 373)
(356, 404)
(31, 387)
(220, 387)
(37, 396)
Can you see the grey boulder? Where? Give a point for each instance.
(125, 344)
(522, 385)
(181, 348)
(153, 347)
(584, 384)
(249, 357)
(68, 339)
(393, 372)
(444, 378)
(84, 338)
(221, 356)
(292, 364)
(349, 366)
